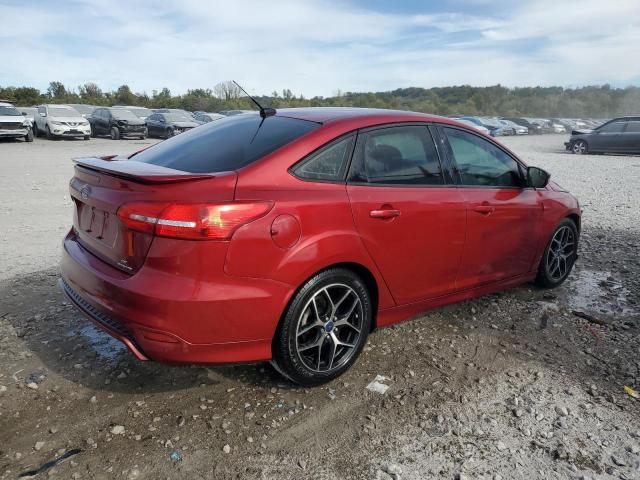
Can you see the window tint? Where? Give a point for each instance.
(613, 127)
(633, 127)
(327, 164)
(482, 163)
(227, 144)
(397, 155)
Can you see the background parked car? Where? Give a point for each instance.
(518, 129)
(141, 112)
(57, 121)
(174, 110)
(13, 124)
(117, 123)
(230, 113)
(28, 112)
(478, 127)
(620, 135)
(82, 108)
(204, 117)
(534, 128)
(166, 125)
(496, 128)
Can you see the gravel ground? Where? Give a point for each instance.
(511, 385)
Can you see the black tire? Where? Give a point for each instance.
(35, 129)
(93, 132)
(115, 133)
(48, 133)
(29, 136)
(87, 137)
(556, 256)
(580, 147)
(294, 350)
(169, 133)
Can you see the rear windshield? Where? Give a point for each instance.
(227, 144)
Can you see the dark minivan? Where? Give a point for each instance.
(620, 135)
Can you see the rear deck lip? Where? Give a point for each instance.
(127, 342)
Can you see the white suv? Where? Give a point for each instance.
(13, 124)
(60, 121)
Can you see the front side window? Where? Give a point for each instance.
(404, 155)
(328, 164)
(633, 127)
(480, 163)
(613, 127)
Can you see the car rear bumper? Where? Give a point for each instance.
(172, 318)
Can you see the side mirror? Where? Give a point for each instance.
(537, 177)
(24, 114)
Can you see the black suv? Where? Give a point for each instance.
(117, 123)
(620, 135)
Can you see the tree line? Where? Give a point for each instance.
(601, 101)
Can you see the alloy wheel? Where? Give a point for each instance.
(579, 148)
(329, 328)
(561, 253)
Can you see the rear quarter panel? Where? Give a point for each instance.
(327, 237)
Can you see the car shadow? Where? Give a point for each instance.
(68, 345)
(48, 326)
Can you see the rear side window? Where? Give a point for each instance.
(328, 164)
(403, 155)
(227, 144)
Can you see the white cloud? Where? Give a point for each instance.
(317, 46)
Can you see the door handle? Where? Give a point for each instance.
(390, 213)
(484, 209)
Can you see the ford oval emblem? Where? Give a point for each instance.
(85, 191)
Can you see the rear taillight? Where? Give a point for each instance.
(191, 221)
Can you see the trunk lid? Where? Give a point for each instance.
(101, 186)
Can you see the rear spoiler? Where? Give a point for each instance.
(138, 171)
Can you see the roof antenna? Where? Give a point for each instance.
(264, 112)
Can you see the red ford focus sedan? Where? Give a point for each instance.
(290, 236)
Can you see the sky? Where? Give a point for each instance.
(319, 47)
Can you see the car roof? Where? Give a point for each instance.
(624, 118)
(6, 104)
(329, 114)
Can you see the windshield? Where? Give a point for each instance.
(9, 111)
(178, 117)
(83, 108)
(122, 114)
(227, 144)
(63, 112)
(141, 112)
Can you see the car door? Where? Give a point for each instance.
(607, 138)
(152, 122)
(631, 137)
(502, 213)
(96, 122)
(411, 221)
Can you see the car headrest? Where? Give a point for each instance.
(382, 159)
